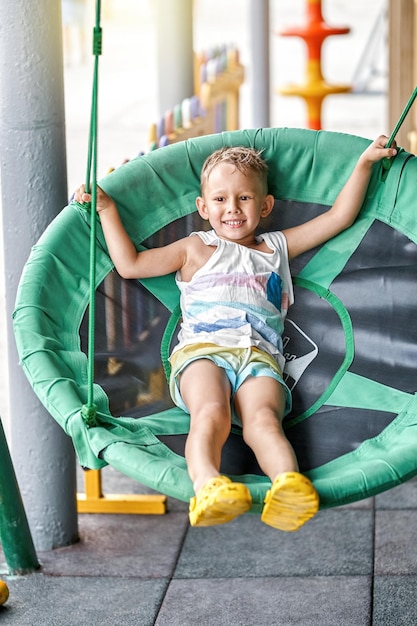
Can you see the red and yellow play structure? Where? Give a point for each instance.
(315, 88)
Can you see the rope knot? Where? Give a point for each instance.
(85, 206)
(89, 415)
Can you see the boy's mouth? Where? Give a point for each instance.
(233, 223)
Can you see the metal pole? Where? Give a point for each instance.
(15, 536)
(34, 189)
(259, 63)
(174, 62)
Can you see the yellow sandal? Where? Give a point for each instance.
(290, 503)
(219, 501)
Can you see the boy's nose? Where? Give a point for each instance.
(233, 207)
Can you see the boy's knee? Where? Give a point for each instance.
(262, 422)
(212, 414)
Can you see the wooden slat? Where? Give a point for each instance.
(402, 66)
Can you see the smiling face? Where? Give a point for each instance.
(234, 201)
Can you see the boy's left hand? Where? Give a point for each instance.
(377, 150)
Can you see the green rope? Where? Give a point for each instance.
(89, 410)
(386, 163)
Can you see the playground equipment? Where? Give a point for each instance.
(315, 88)
(354, 412)
(218, 76)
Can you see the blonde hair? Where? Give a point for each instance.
(246, 160)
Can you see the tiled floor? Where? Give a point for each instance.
(351, 566)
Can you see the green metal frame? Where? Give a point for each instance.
(15, 536)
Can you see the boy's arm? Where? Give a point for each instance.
(127, 260)
(346, 207)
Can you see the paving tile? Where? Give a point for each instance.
(321, 601)
(81, 601)
(334, 543)
(145, 546)
(395, 601)
(401, 497)
(395, 539)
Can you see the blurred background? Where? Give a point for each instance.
(372, 60)
(128, 99)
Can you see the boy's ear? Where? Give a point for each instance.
(201, 208)
(268, 205)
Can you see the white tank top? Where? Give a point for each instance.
(239, 298)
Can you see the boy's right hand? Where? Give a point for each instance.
(103, 200)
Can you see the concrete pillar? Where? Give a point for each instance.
(174, 63)
(33, 191)
(259, 63)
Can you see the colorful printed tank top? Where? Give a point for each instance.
(239, 298)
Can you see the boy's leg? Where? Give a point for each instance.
(292, 499)
(205, 390)
(260, 404)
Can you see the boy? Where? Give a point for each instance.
(235, 291)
